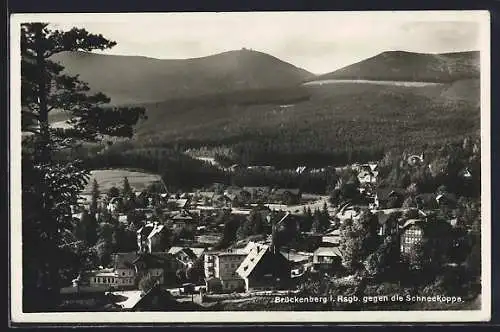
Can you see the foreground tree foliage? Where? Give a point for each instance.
(51, 184)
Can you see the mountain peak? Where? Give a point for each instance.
(411, 66)
(136, 79)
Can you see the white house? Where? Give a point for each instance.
(149, 237)
(220, 269)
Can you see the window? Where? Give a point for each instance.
(123, 273)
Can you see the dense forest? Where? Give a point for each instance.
(331, 125)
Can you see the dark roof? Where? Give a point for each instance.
(293, 191)
(426, 197)
(124, 260)
(163, 255)
(385, 193)
(257, 189)
(158, 299)
(448, 196)
(146, 230)
(151, 260)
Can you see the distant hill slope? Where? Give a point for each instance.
(133, 79)
(321, 118)
(408, 66)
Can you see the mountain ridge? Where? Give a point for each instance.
(411, 66)
(136, 79)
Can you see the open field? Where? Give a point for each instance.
(108, 178)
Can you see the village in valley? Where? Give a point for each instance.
(230, 179)
(226, 246)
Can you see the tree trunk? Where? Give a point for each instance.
(49, 222)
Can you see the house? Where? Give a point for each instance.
(152, 265)
(411, 233)
(208, 239)
(107, 278)
(264, 268)
(348, 211)
(261, 168)
(86, 298)
(332, 237)
(388, 198)
(123, 219)
(287, 196)
(186, 255)
(426, 201)
(159, 299)
(327, 257)
(387, 226)
(415, 160)
(232, 190)
(465, 173)
(220, 270)
(300, 169)
(257, 193)
(299, 262)
(130, 267)
(183, 220)
(114, 204)
(239, 197)
(179, 203)
(125, 269)
(149, 237)
(367, 177)
(221, 201)
(446, 200)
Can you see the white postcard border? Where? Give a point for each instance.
(17, 316)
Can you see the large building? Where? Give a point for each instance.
(264, 268)
(220, 269)
(411, 234)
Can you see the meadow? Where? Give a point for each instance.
(107, 178)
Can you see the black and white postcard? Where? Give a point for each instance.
(250, 167)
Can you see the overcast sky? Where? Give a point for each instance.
(319, 42)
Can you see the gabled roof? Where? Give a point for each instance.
(182, 216)
(335, 232)
(328, 251)
(193, 253)
(145, 230)
(293, 191)
(295, 256)
(253, 258)
(150, 260)
(115, 200)
(447, 196)
(181, 202)
(156, 230)
(123, 260)
(411, 222)
(364, 173)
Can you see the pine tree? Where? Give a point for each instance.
(95, 198)
(52, 178)
(127, 190)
